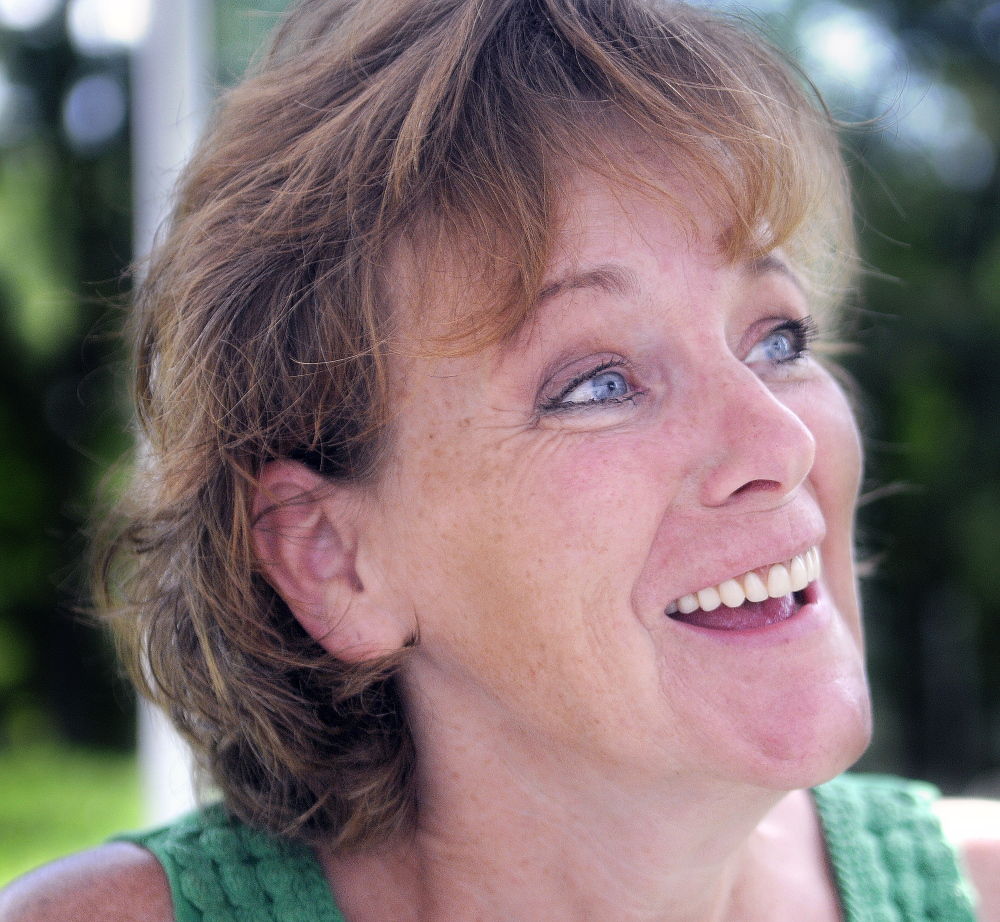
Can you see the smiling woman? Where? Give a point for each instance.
(647, 441)
(492, 539)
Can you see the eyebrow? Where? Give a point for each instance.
(610, 278)
(615, 279)
(772, 263)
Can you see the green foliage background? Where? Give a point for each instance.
(927, 324)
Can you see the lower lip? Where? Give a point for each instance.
(771, 620)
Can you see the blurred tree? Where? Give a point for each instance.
(927, 188)
(64, 239)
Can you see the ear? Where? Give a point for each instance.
(309, 534)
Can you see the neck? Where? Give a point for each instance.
(518, 836)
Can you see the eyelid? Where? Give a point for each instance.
(608, 362)
(586, 376)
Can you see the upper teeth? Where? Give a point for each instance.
(779, 580)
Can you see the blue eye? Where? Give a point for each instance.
(609, 385)
(788, 342)
(778, 347)
(600, 386)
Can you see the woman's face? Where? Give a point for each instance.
(659, 428)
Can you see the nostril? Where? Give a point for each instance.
(758, 486)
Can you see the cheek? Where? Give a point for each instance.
(520, 556)
(557, 505)
(595, 504)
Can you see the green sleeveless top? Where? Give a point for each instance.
(889, 858)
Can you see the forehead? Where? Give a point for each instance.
(652, 210)
(607, 230)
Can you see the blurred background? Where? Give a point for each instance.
(83, 174)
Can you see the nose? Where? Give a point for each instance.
(760, 451)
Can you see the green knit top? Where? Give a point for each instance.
(890, 859)
(221, 870)
(888, 855)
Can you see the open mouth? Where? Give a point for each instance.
(755, 599)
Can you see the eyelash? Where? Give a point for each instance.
(803, 330)
(556, 404)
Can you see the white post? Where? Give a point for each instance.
(172, 81)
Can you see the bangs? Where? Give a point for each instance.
(736, 123)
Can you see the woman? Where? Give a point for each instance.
(492, 542)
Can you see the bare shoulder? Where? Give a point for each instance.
(974, 826)
(111, 883)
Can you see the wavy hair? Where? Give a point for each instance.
(262, 329)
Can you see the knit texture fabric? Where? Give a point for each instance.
(223, 871)
(889, 856)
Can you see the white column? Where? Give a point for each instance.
(172, 81)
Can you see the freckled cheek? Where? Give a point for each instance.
(597, 499)
(567, 486)
(563, 524)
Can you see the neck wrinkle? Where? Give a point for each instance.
(496, 842)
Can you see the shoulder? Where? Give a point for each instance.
(974, 826)
(118, 882)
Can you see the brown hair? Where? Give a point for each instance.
(262, 328)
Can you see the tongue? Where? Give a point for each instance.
(749, 615)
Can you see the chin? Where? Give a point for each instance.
(814, 742)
